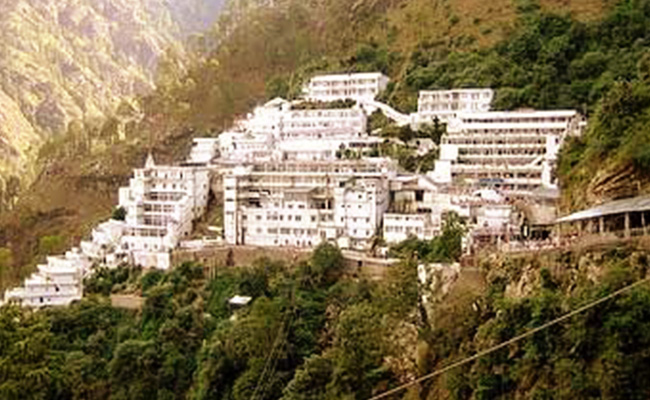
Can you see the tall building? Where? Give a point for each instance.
(511, 151)
(56, 283)
(356, 86)
(323, 123)
(280, 130)
(295, 203)
(161, 203)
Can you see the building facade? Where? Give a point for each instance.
(305, 203)
(447, 104)
(357, 86)
(59, 282)
(399, 227)
(161, 203)
(515, 152)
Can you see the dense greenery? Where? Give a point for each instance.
(306, 331)
(311, 333)
(601, 353)
(445, 248)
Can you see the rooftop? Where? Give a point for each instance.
(348, 76)
(240, 300)
(633, 204)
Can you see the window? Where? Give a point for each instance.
(298, 218)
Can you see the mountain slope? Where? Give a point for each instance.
(65, 60)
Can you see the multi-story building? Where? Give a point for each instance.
(105, 244)
(203, 150)
(295, 203)
(326, 149)
(399, 227)
(246, 146)
(56, 283)
(515, 152)
(323, 123)
(161, 203)
(357, 86)
(447, 104)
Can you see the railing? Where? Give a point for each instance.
(577, 241)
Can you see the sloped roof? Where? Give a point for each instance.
(632, 204)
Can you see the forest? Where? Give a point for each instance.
(318, 330)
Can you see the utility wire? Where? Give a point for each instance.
(511, 341)
(279, 341)
(276, 345)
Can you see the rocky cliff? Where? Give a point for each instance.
(64, 60)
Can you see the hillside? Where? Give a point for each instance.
(270, 51)
(314, 330)
(72, 60)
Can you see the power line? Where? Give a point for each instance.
(510, 341)
(280, 339)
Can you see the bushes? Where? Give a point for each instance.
(445, 248)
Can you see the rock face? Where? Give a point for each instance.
(64, 60)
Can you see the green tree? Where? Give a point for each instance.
(49, 245)
(326, 264)
(119, 214)
(6, 263)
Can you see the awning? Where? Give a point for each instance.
(633, 204)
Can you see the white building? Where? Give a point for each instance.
(203, 150)
(325, 149)
(398, 227)
(246, 145)
(57, 283)
(161, 203)
(355, 86)
(296, 203)
(447, 104)
(493, 217)
(512, 151)
(276, 131)
(104, 246)
(323, 123)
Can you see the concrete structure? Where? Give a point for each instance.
(323, 123)
(304, 203)
(203, 150)
(447, 104)
(278, 130)
(345, 86)
(325, 149)
(246, 146)
(104, 245)
(161, 203)
(515, 152)
(56, 283)
(624, 218)
(399, 227)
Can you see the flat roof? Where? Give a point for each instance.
(240, 300)
(460, 90)
(348, 75)
(523, 113)
(632, 204)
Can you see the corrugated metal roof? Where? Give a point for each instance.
(641, 203)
